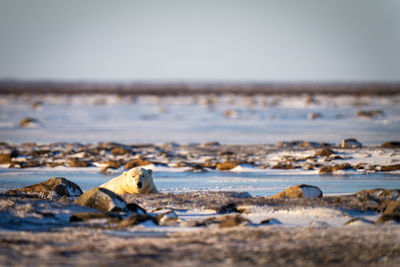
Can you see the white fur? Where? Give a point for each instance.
(128, 182)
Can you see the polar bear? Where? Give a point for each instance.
(135, 181)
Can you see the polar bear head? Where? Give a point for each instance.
(139, 179)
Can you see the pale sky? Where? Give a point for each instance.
(309, 40)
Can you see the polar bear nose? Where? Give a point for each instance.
(139, 184)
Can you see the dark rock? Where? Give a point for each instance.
(299, 191)
(307, 144)
(87, 216)
(135, 208)
(325, 152)
(103, 200)
(314, 115)
(350, 143)
(136, 163)
(232, 221)
(7, 157)
(369, 113)
(364, 166)
(391, 213)
(136, 219)
(389, 168)
(28, 122)
(228, 208)
(391, 144)
(270, 221)
(357, 221)
(211, 144)
(50, 189)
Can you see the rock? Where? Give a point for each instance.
(50, 189)
(87, 216)
(270, 221)
(119, 151)
(325, 170)
(168, 218)
(283, 144)
(378, 194)
(391, 144)
(226, 166)
(136, 219)
(284, 165)
(136, 163)
(36, 104)
(389, 168)
(306, 144)
(228, 208)
(358, 221)
(314, 116)
(391, 213)
(299, 191)
(325, 152)
(211, 144)
(350, 143)
(103, 200)
(342, 166)
(7, 156)
(369, 113)
(136, 208)
(78, 163)
(364, 166)
(233, 220)
(28, 122)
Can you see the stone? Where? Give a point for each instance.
(391, 144)
(136, 163)
(284, 165)
(103, 200)
(325, 152)
(136, 219)
(357, 222)
(28, 122)
(391, 213)
(314, 116)
(307, 144)
(87, 216)
(378, 194)
(168, 218)
(342, 166)
(78, 163)
(369, 113)
(325, 170)
(270, 221)
(299, 191)
(6, 157)
(119, 151)
(227, 165)
(228, 208)
(388, 168)
(52, 188)
(232, 221)
(350, 143)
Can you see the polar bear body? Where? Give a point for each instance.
(135, 181)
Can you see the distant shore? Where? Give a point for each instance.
(193, 88)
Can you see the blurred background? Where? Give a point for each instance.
(96, 40)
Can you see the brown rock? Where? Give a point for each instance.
(342, 166)
(325, 170)
(389, 168)
(299, 191)
(314, 116)
(233, 220)
(27, 122)
(7, 157)
(78, 163)
(119, 151)
(391, 213)
(325, 152)
(52, 188)
(391, 144)
(103, 200)
(369, 113)
(226, 166)
(136, 163)
(378, 194)
(284, 165)
(136, 219)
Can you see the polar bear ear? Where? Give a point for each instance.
(125, 174)
(150, 171)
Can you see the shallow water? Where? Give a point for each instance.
(262, 183)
